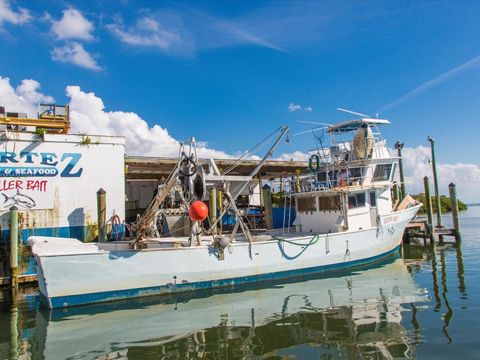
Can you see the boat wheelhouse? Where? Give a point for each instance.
(349, 182)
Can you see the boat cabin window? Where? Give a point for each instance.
(329, 203)
(373, 198)
(356, 201)
(305, 204)
(382, 172)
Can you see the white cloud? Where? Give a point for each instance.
(73, 25)
(293, 156)
(88, 115)
(294, 107)
(22, 99)
(8, 15)
(416, 162)
(28, 90)
(146, 32)
(75, 53)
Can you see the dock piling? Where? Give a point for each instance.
(396, 193)
(267, 203)
(435, 183)
(452, 189)
(102, 215)
(212, 207)
(399, 146)
(428, 205)
(13, 247)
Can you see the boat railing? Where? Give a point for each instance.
(332, 176)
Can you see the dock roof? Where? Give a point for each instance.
(145, 168)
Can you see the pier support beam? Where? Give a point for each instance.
(212, 207)
(267, 203)
(452, 189)
(399, 146)
(435, 183)
(102, 215)
(13, 247)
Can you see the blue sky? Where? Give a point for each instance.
(227, 71)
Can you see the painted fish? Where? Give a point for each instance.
(22, 200)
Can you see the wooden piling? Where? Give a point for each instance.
(435, 183)
(396, 193)
(13, 247)
(428, 205)
(212, 207)
(452, 189)
(102, 215)
(399, 146)
(267, 203)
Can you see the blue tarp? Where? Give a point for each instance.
(278, 214)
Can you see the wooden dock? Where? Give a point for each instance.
(27, 280)
(421, 229)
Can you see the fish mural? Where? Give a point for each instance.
(19, 199)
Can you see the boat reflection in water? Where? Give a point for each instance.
(351, 314)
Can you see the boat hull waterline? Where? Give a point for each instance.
(85, 278)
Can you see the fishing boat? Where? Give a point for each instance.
(345, 217)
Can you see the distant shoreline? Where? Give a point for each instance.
(476, 204)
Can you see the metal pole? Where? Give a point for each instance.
(13, 246)
(267, 201)
(102, 215)
(452, 189)
(435, 183)
(399, 146)
(212, 207)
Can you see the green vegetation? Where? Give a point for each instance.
(86, 140)
(40, 132)
(445, 203)
(278, 199)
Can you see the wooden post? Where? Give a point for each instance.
(267, 203)
(220, 209)
(396, 193)
(13, 247)
(428, 205)
(102, 215)
(260, 187)
(399, 146)
(212, 207)
(298, 171)
(452, 189)
(435, 183)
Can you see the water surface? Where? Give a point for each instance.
(423, 303)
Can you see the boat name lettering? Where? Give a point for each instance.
(50, 162)
(390, 219)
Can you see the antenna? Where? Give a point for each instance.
(313, 122)
(310, 131)
(353, 113)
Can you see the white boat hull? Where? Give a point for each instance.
(90, 276)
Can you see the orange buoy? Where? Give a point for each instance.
(198, 211)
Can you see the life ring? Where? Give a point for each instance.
(317, 163)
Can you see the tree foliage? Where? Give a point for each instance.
(445, 203)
